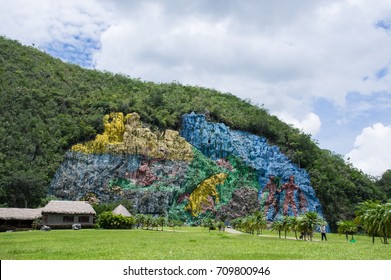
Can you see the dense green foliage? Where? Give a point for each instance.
(46, 106)
(384, 183)
(108, 220)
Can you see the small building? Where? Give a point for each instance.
(121, 210)
(18, 218)
(63, 214)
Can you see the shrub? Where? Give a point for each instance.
(108, 220)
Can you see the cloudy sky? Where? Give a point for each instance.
(323, 66)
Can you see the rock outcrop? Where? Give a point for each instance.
(207, 170)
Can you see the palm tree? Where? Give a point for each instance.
(375, 219)
(286, 226)
(260, 222)
(366, 216)
(308, 222)
(154, 223)
(171, 223)
(362, 207)
(293, 224)
(139, 219)
(382, 220)
(147, 221)
(221, 226)
(278, 226)
(347, 227)
(210, 224)
(161, 221)
(237, 223)
(387, 219)
(247, 224)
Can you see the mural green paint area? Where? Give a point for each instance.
(239, 176)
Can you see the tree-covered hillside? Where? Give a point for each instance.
(46, 106)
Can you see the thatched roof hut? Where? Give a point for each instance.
(20, 213)
(68, 207)
(18, 218)
(121, 210)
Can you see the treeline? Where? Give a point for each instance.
(108, 220)
(372, 218)
(46, 106)
(306, 224)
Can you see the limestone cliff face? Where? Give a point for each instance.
(217, 141)
(207, 170)
(159, 172)
(113, 177)
(244, 202)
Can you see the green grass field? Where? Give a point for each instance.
(182, 244)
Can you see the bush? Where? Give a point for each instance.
(37, 223)
(108, 220)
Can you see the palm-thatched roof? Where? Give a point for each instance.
(20, 213)
(121, 210)
(68, 207)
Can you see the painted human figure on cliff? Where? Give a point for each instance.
(271, 200)
(290, 188)
(144, 175)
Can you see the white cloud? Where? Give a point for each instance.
(65, 28)
(372, 150)
(309, 123)
(277, 55)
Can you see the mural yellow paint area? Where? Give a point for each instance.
(127, 135)
(167, 144)
(201, 198)
(114, 128)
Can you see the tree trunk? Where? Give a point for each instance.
(385, 236)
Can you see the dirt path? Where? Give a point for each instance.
(234, 231)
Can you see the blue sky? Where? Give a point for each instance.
(322, 66)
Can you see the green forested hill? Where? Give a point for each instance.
(47, 105)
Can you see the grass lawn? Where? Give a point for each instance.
(183, 244)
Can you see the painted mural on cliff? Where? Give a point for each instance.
(292, 193)
(205, 170)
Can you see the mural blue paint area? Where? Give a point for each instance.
(216, 141)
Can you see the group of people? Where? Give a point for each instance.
(322, 230)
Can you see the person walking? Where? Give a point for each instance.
(323, 232)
